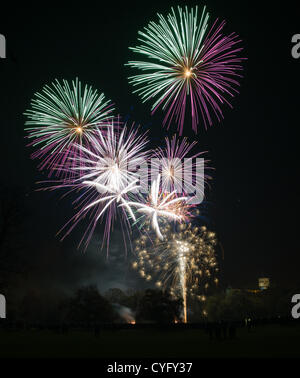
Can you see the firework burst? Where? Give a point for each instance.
(162, 205)
(107, 178)
(180, 169)
(184, 262)
(187, 66)
(62, 118)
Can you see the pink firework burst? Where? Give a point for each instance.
(190, 69)
(181, 168)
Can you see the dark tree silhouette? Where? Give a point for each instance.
(158, 306)
(116, 295)
(89, 307)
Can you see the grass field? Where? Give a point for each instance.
(267, 341)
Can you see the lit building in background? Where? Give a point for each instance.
(263, 283)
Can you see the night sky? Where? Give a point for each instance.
(253, 199)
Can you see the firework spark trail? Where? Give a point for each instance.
(182, 249)
(188, 66)
(62, 118)
(184, 261)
